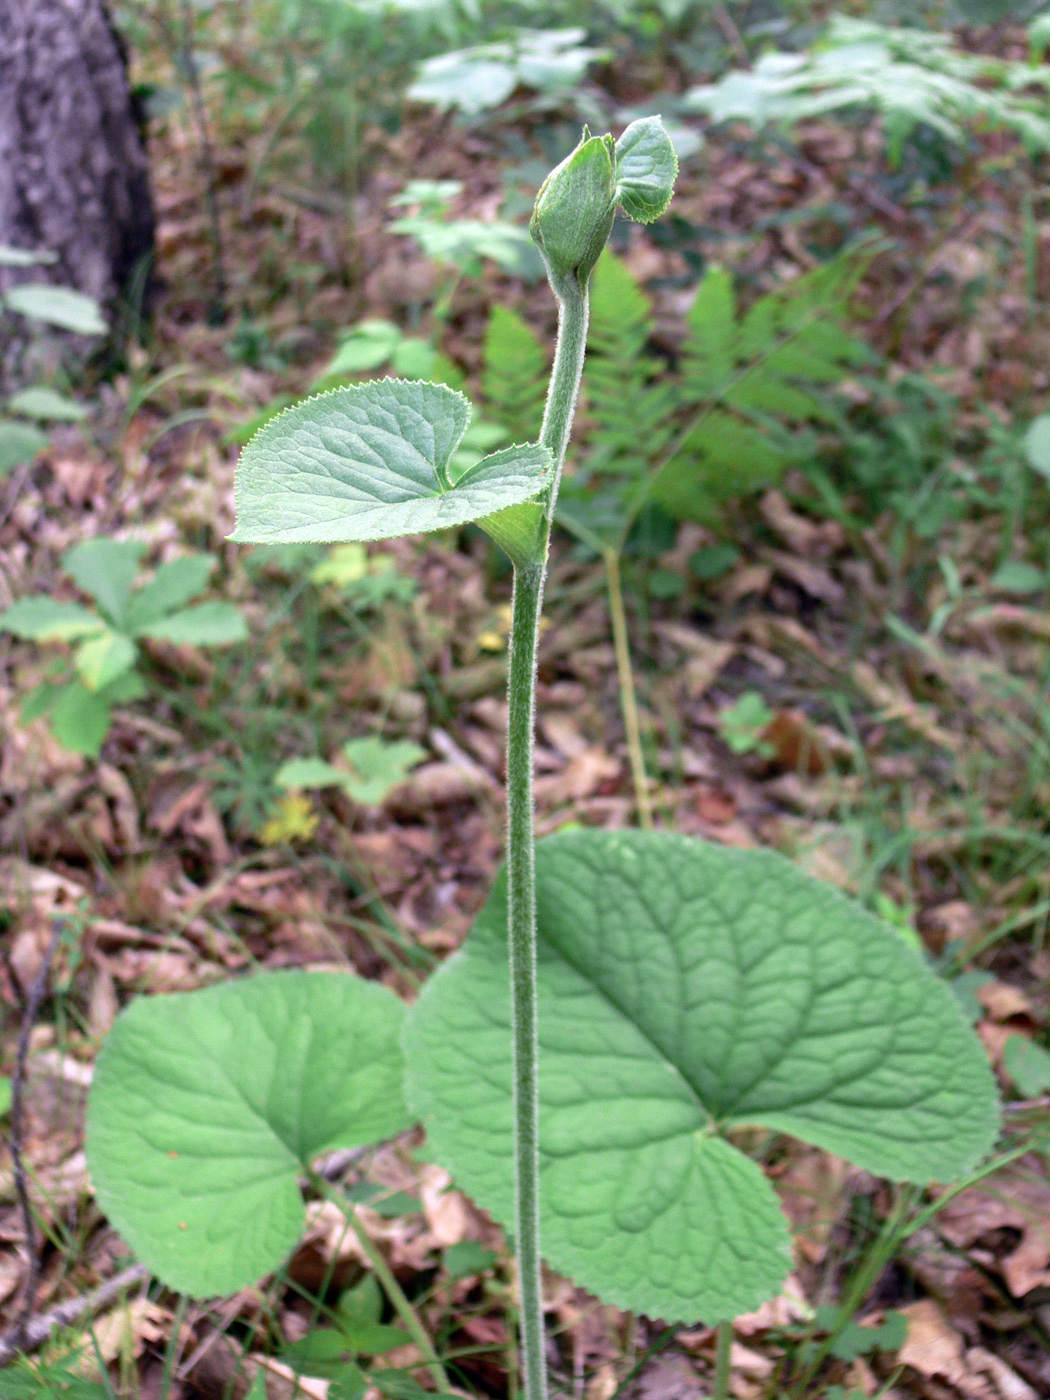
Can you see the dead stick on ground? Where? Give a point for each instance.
(38, 1329)
(34, 999)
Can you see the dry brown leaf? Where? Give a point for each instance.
(1008, 1199)
(130, 1328)
(799, 532)
(447, 1214)
(581, 777)
(1002, 1001)
(811, 578)
(935, 1349)
(437, 785)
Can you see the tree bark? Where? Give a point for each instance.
(74, 178)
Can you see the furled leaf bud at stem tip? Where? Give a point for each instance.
(574, 209)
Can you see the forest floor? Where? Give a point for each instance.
(909, 765)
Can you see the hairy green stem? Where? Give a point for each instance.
(521, 840)
(393, 1290)
(723, 1361)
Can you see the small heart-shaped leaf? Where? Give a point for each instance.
(646, 168)
(370, 462)
(686, 989)
(206, 1107)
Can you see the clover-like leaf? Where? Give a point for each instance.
(686, 989)
(206, 1107)
(370, 462)
(646, 169)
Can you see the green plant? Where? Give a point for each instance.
(679, 990)
(376, 767)
(462, 243)
(743, 723)
(911, 77)
(106, 651)
(41, 303)
(551, 61)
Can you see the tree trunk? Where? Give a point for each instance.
(74, 180)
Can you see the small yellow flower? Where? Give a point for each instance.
(293, 819)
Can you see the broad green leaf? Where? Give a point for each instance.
(80, 719)
(47, 405)
(56, 306)
(5, 1095)
(309, 773)
(174, 584)
(207, 1106)
(686, 989)
(19, 442)
(100, 660)
(106, 569)
(211, 624)
(370, 462)
(1027, 1064)
(44, 619)
(379, 766)
(646, 167)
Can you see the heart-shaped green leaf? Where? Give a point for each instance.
(370, 462)
(685, 989)
(207, 1106)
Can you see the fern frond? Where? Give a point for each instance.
(515, 375)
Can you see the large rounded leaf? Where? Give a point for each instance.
(370, 462)
(206, 1106)
(685, 989)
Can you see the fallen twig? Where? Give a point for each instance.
(36, 1330)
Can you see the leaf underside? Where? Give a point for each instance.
(369, 462)
(206, 1106)
(686, 989)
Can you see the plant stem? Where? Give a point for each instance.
(393, 1290)
(521, 839)
(628, 697)
(723, 1361)
(879, 1254)
(521, 694)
